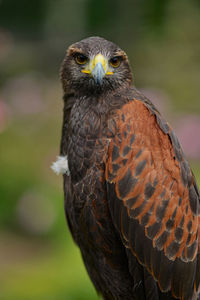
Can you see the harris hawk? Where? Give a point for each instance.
(131, 199)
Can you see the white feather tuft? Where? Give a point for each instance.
(60, 166)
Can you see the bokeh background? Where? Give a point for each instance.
(38, 259)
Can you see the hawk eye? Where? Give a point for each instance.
(115, 61)
(80, 59)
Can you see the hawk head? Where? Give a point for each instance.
(94, 65)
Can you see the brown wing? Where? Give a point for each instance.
(153, 198)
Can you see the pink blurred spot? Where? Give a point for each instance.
(35, 213)
(158, 98)
(188, 132)
(24, 94)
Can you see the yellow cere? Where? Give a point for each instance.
(99, 58)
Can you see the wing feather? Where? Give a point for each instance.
(153, 198)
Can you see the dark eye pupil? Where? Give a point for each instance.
(115, 60)
(81, 58)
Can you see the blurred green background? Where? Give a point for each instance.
(38, 259)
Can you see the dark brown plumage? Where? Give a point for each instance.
(131, 200)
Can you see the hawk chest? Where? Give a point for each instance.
(86, 152)
(86, 203)
(86, 145)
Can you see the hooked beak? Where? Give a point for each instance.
(98, 72)
(98, 68)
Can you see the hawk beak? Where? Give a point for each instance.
(98, 72)
(98, 68)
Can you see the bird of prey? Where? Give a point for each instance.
(131, 199)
